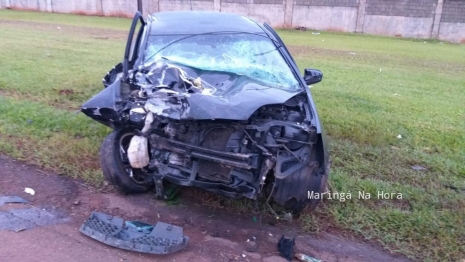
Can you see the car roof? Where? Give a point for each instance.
(200, 22)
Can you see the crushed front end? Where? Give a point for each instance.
(218, 131)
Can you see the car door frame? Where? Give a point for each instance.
(132, 47)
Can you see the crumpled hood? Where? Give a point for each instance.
(185, 93)
(178, 92)
(238, 106)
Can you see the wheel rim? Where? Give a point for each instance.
(134, 173)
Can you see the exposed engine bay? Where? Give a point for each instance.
(209, 134)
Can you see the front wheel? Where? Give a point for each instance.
(115, 164)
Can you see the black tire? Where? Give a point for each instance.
(116, 171)
(302, 181)
(313, 203)
(296, 206)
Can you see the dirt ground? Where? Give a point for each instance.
(215, 234)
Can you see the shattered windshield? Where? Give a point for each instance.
(252, 55)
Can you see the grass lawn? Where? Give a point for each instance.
(374, 90)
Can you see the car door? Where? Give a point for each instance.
(130, 53)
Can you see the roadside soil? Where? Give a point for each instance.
(215, 234)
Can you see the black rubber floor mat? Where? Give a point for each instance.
(162, 238)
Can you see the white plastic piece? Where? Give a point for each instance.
(148, 122)
(138, 151)
(138, 110)
(29, 191)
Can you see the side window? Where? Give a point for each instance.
(135, 45)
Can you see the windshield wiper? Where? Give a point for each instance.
(264, 53)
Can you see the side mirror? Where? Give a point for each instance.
(312, 76)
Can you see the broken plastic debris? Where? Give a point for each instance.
(251, 245)
(20, 229)
(11, 199)
(29, 191)
(416, 167)
(139, 226)
(138, 110)
(286, 216)
(306, 258)
(286, 247)
(137, 236)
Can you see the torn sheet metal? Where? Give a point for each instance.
(179, 92)
(136, 236)
(176, 91)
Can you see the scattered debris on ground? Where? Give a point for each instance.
(417, 167)
(306, 258)
(56, 219)
(251, 245)
(286, 247)
(18, 220)
(30, 191)
(12, 199)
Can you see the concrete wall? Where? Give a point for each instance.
(341, 19)
(452, 25)
(178, 5)
(82, 6)
(453, 11)
(398, 26)
(441, 19)
(407, 18)
(453, 32)
(272, 13)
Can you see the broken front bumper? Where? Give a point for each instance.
(162, 238)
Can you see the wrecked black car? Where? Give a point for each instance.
(215, 101)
